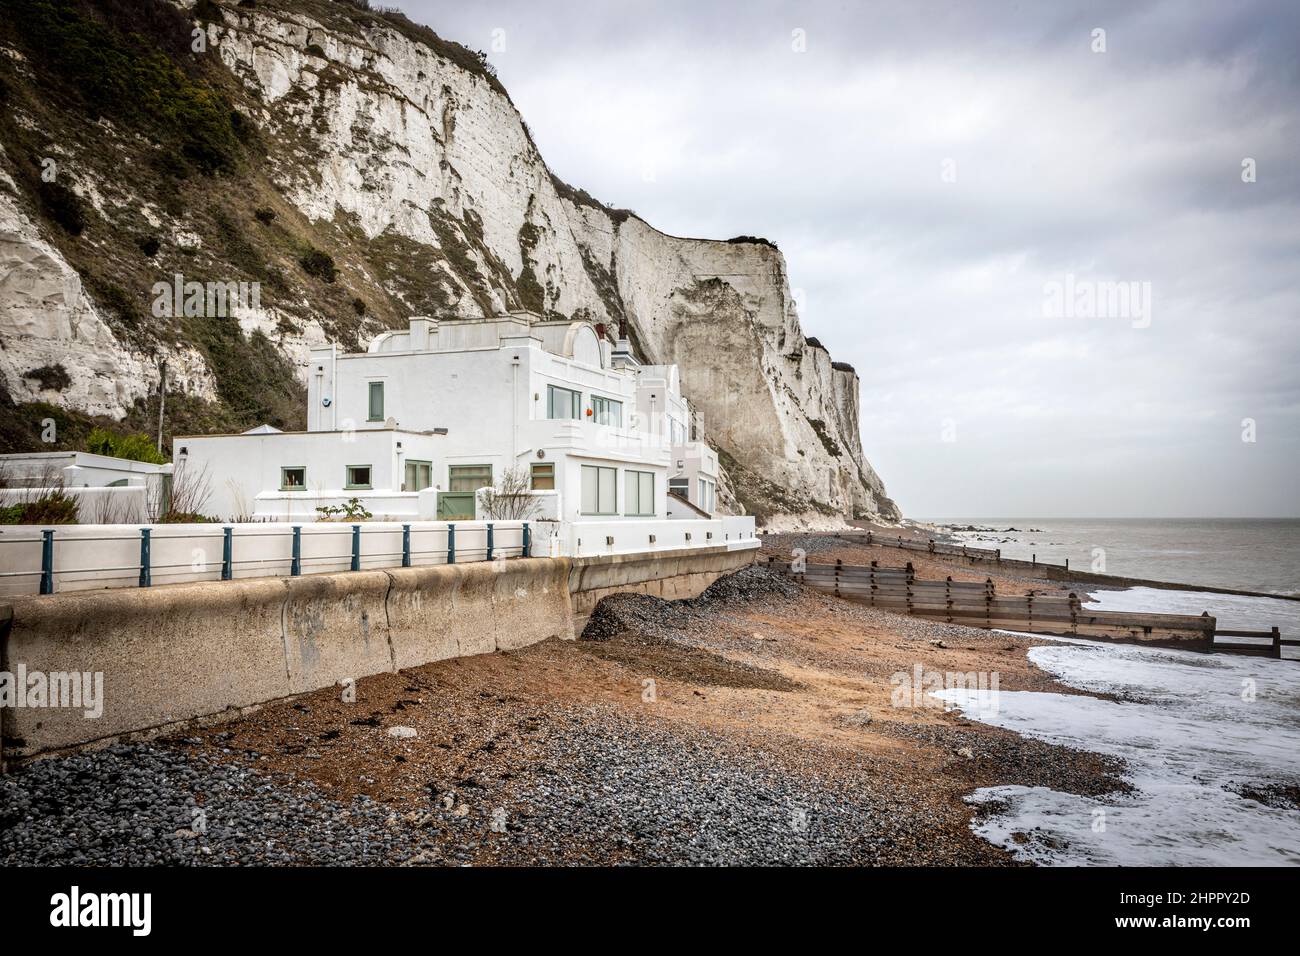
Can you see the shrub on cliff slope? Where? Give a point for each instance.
(63, 206)
(53, 378)
(135, 447)
(318, 264)
(254, 379)
(124, 60)
(754, 240)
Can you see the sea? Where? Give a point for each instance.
(1210, 743)
(1253, 554)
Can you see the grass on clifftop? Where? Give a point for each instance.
(580, 197)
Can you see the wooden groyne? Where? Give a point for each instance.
(1253, 643)
(978, 604)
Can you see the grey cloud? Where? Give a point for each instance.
(1123, 165)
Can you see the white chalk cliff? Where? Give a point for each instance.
(382, 134)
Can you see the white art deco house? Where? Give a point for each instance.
(419, 424)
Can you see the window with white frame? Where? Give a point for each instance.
(606, 411)
(599, 490)
(563, 402)
(639, 492)
(708, 495)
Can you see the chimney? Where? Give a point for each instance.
(621, 355)
(421, 326)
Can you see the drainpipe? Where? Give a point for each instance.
(315, 411)
(514, 411)
(334, 387)
(162, 401)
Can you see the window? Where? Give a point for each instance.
(469, 477)
(293, 478)
(681, 486)
(606, 411)
(707, 495)
(639, 492)
(419, 475)
(678, 432)
(543, 477)
(376, 401)
(599, 490)
(358, 477)
(563, 402)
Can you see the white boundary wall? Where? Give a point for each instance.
(108, 556)
(623, 536)
(125, 503)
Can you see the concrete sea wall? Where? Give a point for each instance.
(670, 575)
(179, 653)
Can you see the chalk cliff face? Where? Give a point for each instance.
(400, 156)
(47, 319)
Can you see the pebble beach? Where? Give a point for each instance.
(757, 724)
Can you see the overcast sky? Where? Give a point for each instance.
(933, 173)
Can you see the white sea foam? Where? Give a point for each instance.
(1187, 730)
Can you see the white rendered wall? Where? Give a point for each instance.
(243, 471)
(129, 503)
(76, 468)
(695, 460)
(493, 401)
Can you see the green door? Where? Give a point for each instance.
(455, 506)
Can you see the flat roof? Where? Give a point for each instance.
(323, 431)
